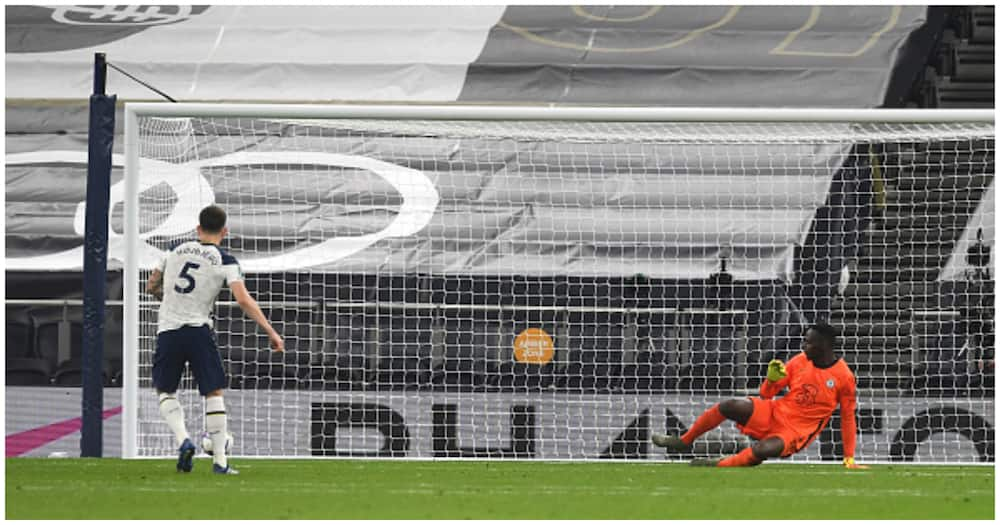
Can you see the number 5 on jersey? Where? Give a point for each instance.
(185, 275)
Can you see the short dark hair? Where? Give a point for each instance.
(826, 332)
(212, 219)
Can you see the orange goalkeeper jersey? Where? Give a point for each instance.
(813, 395)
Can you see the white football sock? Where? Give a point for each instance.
(173, 413)
(215, 423)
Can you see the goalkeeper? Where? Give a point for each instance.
(817, 381)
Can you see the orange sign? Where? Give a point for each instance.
(533, 346)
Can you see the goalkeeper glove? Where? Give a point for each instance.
(776, 371)
(849, 463)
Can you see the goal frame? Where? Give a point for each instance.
(132, 112)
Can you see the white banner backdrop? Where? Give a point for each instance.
(958, 268)
(224, 52)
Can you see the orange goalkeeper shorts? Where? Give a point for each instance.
(764, 424)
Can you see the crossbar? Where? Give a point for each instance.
(606, 114)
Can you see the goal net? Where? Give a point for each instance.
(561, 283)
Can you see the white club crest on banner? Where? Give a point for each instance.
(193, 192)
(121, 15)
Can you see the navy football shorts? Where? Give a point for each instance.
(187, 344)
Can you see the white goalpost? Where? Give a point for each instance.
(559, 283)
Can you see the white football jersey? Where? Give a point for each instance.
(193, 274)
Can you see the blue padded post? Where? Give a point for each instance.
(95, 258)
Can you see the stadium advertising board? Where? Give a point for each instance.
(517, 426)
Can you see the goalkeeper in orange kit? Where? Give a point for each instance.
(817, 382)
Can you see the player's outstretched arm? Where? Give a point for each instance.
(154, 286)
(848, 423)
(252, 309)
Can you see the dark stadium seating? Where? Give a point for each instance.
(961, 72)
(594, 356)
(656, 367)
(251, 363)
(33, 351)
(50, 324)
(903, 252)
(113, 348)
(343, 355)
(23, 364)
(19, 333)
(27, 371)
(464, 363)
(404, 355)
(264, 368)
(70, 373)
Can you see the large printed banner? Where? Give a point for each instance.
(593, 218)
(522, 426)
(450, 204)
(829, 56)
(587, 427)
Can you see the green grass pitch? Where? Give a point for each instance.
(357, 489)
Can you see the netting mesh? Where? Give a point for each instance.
(560, 290)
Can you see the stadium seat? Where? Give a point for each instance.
(652, 372)
(267, 369)
(476, 353)
(404, 372)
(70, 373)
(285, 370)
(656, 366)
(976, 23)
(713, 353)
(525, 376)
(47, 324)
(19, 334)
(241, 344)
(114, 373)
(343, 354)
(252, 364)
(28, 372)
(113, 336)
(595, 352)
(456, 369)
(456, 373)
(404, 352)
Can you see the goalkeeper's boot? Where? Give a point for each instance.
(671, 443)
(185, 456)
(705, 462)
(228, 470)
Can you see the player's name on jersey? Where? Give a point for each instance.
(208, 252)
